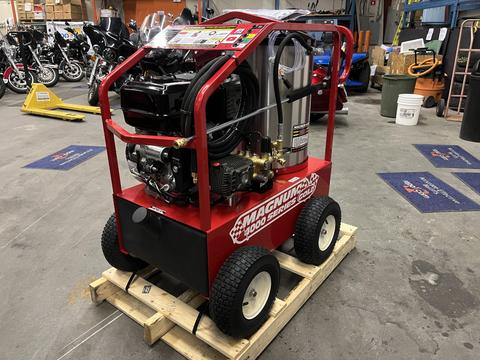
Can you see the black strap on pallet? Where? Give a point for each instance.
(129, 282)
(202, 309)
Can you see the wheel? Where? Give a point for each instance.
(93, 94)
(3, 87)
(429, 102)
(72, 72)
(317, 230)
(112, 252)
(440, 107)
(244, 290)
(364, 78)
(17, 83)
(48, 76)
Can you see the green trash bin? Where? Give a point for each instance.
(394, 85)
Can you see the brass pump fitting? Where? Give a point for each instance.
(180, 143)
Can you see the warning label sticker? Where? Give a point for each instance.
(201, 36)
(300, 137)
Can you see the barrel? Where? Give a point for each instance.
(470, 129)
(394, 85)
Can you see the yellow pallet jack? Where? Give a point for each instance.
(42, 101)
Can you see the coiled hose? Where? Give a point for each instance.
(276, 65)
(222, 145)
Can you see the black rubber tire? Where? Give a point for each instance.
(231, 282)
(364, 77)
(54, 77)
(308, 226)
(440, 108)
(3, 87)
(112, 253)
(93, 94)
(79, 70)
(23, 89)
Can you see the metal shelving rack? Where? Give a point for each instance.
(455, 6)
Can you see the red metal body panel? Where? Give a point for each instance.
(311, 178)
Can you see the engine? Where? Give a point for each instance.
(240, 159)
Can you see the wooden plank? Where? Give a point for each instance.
(131, 307)
(178, 312)
(190, 346)
(101, 289)
(296, 298)
(277, 307)
(158, 325)
(294, 265)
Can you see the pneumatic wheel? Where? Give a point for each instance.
(317, 230)
(112, 253)
(244, 291)
(440, 108)
(93, 94)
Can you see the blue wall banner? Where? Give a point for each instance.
(470, 179)
(448, 156)
(67, 158)
(428, 193)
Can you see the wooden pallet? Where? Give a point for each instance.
(171, 318)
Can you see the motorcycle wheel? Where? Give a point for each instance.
(48, 76)
(3, 87)
(93, 94)
(18, 84)
(72, 72)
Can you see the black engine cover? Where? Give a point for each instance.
(152, 106)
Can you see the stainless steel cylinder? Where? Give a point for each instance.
(296, 115)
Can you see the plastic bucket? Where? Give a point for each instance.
(394, 85)
(408, 109)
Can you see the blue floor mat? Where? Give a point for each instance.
(448, 156)
(428, 193)
(67, 158)
(470, 179)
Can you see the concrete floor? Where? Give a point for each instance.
(380, 303)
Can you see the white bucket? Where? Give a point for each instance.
(408, 109)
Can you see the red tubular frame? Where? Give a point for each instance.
(199, 143)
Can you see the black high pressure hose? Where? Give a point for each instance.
(276, 64)
(224, 144)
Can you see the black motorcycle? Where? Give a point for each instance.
(68, 55)
(110, 49)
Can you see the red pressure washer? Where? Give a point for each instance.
(218, 192)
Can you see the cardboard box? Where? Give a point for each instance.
(30, 15)
(399, 63)
(28, 6)
(50, 16)
(59, 15)
(73, 9)
(50, 2)
(20, 2)
(49, 8)
(58, 8)
(378, 56)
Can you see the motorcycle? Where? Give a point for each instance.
(13, 72)
(110, 49)
(3, 86)
(47, 73)
(69, 56)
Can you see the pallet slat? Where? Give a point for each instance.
(178, 312)
(171, 318)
